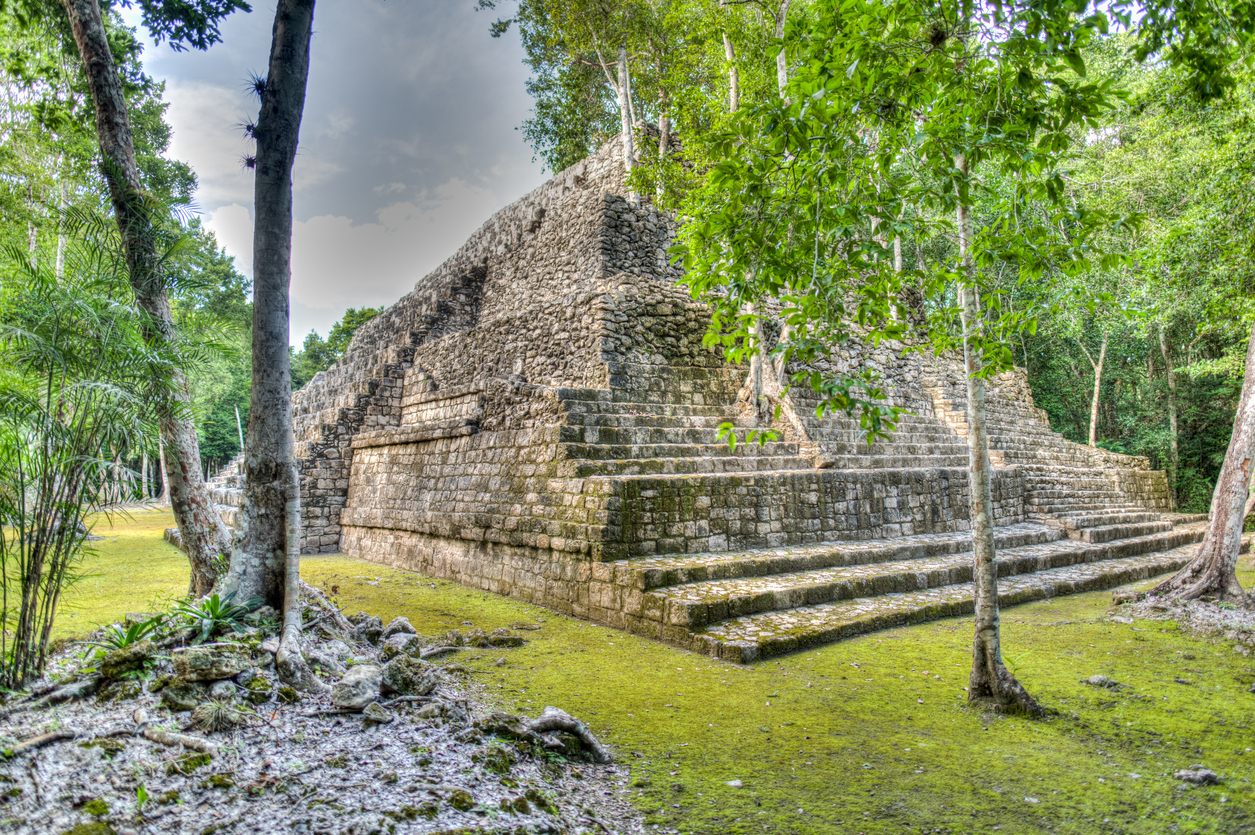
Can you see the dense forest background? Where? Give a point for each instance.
(1153, 369)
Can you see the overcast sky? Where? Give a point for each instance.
(408, 143)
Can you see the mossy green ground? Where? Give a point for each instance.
(872, 735)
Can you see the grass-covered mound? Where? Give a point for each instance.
(872, 735)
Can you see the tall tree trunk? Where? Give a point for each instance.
(203, 532)
(143, 484)
(1174, 450)
(1093, 403)
(61, 240)
(164, 499)
(625, 117)
(734, 77)
(1213, 571)
(782, 66)
(266, 559)
(990, 681)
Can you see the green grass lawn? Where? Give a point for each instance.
(868, 736)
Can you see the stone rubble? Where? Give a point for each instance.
(428, 760)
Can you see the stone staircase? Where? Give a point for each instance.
(1075, 533)
(227, 489)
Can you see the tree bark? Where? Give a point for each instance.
(1174, 450)
(782, 66)
(990, 681)
(265, 561)
(1213, 571)
(203, 532)
(1093, 403)
(164, 499)
(625, 113)
(734, 77)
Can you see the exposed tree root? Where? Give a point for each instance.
(1202, 578)
(170, 738)
(553, 719)
(77, 690)
(436, 652)
(28, 745)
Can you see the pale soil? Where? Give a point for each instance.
(292, 772)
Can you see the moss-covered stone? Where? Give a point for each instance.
(128, 659)
(93, 828)
(109, 745)
(220, 781)
(287, 695)
(188, 763)
(461, 800)
(119, 690)
(258, 690)
(96, 807)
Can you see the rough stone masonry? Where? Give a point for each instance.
(539, 416)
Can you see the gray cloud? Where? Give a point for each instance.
(408, 143)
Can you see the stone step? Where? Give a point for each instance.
(755, 637)
(1110, 533)
(593, 403)
(227, 496)
(627, 421)
(1091, 519)
(897, 462)
(648, 573)
(923, 436)
(228, 514)
(695, 605)
(631, 452)
(716, 465)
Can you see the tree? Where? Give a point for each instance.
(1212, 43)
(899, 121)
(78, 378)
(265, 561)
(204, 535)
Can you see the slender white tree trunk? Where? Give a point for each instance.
(990, 680)
(1097, 366)
(165, 479)
(143, 484)
(1173, 440)
(734, 77)
(782, 65)
(625, 115)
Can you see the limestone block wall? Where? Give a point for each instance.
(726, 513)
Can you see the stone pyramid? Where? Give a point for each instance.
(539, 418)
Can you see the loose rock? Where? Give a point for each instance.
(126, 659)
(210, 662)
(359, 687)
(408, 677)
(1198, 775)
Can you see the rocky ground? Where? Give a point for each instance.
(165, 737)
(1202, 617)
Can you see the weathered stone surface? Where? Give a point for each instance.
(184, 695)
(409, 677)
(127, 659)
(210, 662)
(359, 687)
(503, 638)
(401, 644)
(399, 626)
(377, 714)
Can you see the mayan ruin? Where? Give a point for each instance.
(538, 418)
